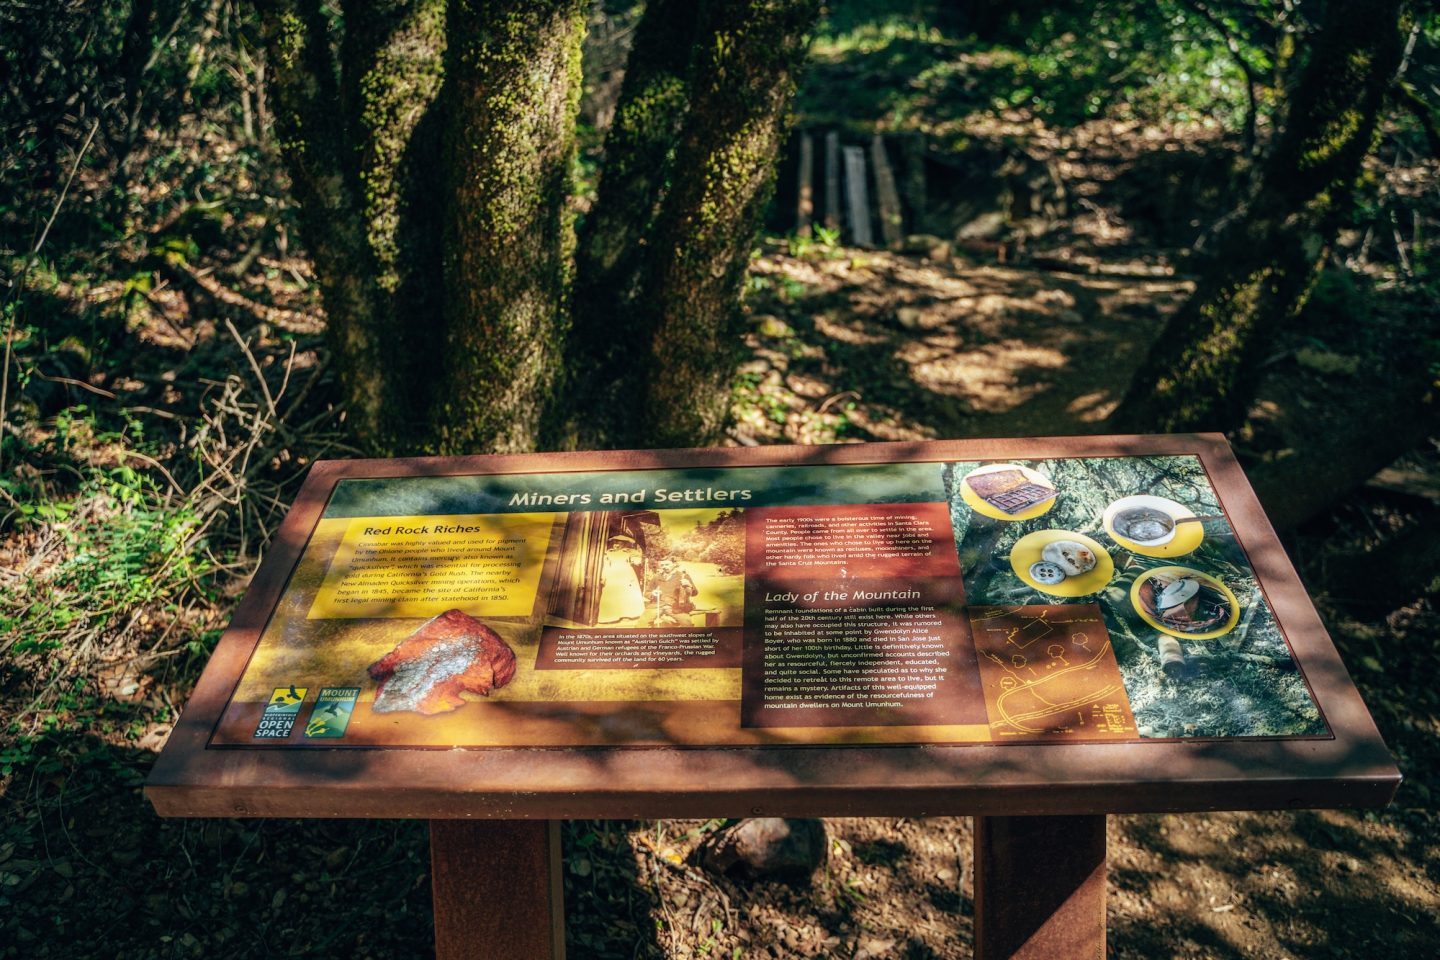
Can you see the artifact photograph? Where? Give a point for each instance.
(1197, 645)
(650, 568)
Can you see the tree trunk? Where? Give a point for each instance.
(445, 298)
(747, 58)
(392, 67)
(608, 371)
(313, 135)
(136, 52)
(430, 144)
(638, 147)
(1398, 571)
(509, 232)
(1202, 372)
(1320, 441)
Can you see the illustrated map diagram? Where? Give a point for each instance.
(1049, 671)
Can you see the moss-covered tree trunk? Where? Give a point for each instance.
(640, 144)
(393, 69)
(1202, 372)
(431, 142)
(514, 75)
(608, 366)
(744, 71)
(360, 142)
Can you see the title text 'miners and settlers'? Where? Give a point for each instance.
(661, 495)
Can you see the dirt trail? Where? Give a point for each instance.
(863, 345)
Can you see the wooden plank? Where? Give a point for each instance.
(887, 196)
(857, 196)
(497, 889)
(805, 188)
(1040, 888)
(832, 180)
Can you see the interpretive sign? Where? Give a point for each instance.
(1034, 632)
(1075, 598)
(970, 596)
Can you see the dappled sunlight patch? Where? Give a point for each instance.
(990, 378)
(853, 332)
(1093, 407)
(883, 423)
(906, 337)
(1143, 299)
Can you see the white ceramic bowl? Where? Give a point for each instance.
(1166, 508)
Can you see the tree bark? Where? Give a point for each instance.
(639, 145)
(430, 144)
(747, 58)
(135, 51)
(608, 371)
(1202, 372)
(1396, 572)
(509, 233)
(392, 68)
(313, 135)
(1319, 443)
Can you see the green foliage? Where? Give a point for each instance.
(823, 242)
(87, 64)
(122, 546)
(721, 542)
(899, 66)
(1136, 61)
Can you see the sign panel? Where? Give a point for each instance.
(943, 601)
(1037, 626)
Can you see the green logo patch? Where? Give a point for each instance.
(279, 717)
(331, 715)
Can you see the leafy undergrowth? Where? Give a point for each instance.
(884, 63)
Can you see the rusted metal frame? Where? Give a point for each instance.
(1352, 769)
(1040, 888)
(496, 889)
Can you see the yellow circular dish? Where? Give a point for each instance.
(1205, 578)
(977, 504)
(1187, 538)
(1027, 550)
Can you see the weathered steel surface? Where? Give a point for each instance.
(497, 890)
(1040, 888)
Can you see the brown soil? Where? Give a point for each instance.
(988, 348)
(870, 345)
(864, 345)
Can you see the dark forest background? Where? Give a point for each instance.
(236, 237)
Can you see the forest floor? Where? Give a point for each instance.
(221, 359)
(845, 345)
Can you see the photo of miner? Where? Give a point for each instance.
(638, 569)
(674, 595)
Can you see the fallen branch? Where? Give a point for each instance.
(292, 321)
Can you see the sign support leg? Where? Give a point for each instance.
(1040, 888)
(497, 889)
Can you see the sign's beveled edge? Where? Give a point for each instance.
(1352, 769)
